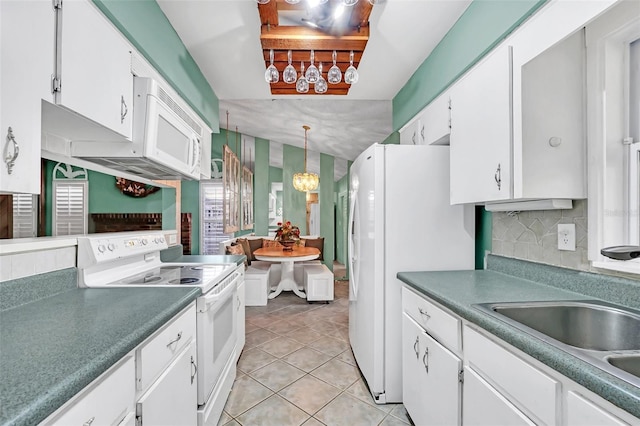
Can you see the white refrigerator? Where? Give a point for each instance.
(400, 219)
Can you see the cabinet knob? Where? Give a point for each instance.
(195, 370)
(123, 109)
(498, 177)
(89, 422)
(178, 337)
(425, 359)
(11, 150)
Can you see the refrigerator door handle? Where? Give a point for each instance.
(352, 250)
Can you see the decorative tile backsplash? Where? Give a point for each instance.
(533, 235)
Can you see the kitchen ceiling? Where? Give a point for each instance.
(223, 37)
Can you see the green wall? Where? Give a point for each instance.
(261, 187)
(149, 30)
(342, 218)
(294, 202)
(327, 208)
(483, 25)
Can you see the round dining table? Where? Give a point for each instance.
(287, 258)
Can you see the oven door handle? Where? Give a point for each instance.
(207, 300)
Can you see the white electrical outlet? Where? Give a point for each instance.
(567, 236)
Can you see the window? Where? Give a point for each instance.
(211, 214)
(613, 80)
(70, 195)
(70, 207)
(25, 215)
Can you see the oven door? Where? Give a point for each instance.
(216, 330)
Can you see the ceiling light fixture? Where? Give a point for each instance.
(305, 182)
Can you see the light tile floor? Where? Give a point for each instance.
(297, 368)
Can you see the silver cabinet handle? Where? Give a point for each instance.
(416, 347)
(422, 132)
(88, 422)
(195, 370)
(11, 150)
(413, 138)
(175, 340)
(498, 177)
(425, 359)
(123, 109)
(424, 314)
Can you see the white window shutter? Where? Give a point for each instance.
(70, 207)
(25, 215)
(211, 216)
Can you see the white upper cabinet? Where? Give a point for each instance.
(481, 131)
(410, 134)
(435, 121)
(94, 67)
(26, 65)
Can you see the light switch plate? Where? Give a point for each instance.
(567, 236)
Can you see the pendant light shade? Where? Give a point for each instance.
(305, 182)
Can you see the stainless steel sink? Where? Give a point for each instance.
(628, 363)
(587, 325)
(602, 334)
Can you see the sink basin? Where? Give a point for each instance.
(604, 335)
(630, 364)
(587, 325)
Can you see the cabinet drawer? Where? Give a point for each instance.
(440, 324)
(158, 351)
(520, 382)
(106, 401)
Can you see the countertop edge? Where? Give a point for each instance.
(39, 409)
(609, 387)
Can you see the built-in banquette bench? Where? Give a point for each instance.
(261, 277)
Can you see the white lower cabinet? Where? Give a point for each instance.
(430, 378)
(485, 406)
(501, 385)
(106, 401)
(171, 400)
(155, 384)
(582, 412)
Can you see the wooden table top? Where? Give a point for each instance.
(278, 252)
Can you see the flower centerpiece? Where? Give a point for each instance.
(287, 234)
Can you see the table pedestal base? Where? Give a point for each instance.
(287, 283)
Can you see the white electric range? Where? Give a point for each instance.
(132, 259)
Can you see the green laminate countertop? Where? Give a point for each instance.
(51, 348)
(211, 259)
(460, 290)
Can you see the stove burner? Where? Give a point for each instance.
(186, 280)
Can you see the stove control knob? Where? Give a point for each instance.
(101, 248)
(144, 241)
(111, 247)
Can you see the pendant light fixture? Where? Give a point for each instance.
(305, 182)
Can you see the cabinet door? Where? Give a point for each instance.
(436, 121)
(430, 389)
(240, 306)
(484, 406)
(172, 399)
(95, 68)
(26, 65)
(582, 412)
(106, 401)
(481, 137)
(409, 135)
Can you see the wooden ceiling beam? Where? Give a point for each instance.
(301, 38)
(268, 14)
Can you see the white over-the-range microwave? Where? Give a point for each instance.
(166, 142)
